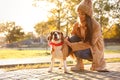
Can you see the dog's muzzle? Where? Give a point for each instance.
(56, 37)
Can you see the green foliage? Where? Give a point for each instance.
(2, 27)
(113, 32)
(63, 15)
(15, 34)
(41, 28)
(101, 9)
(107, 9)
(115, 10)
(5, 27)
(29, 35)
(12, 32)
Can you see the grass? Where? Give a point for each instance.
(112, 49)
(15, 53)
(18, 53)
(22, 53)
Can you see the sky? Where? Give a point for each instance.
(23, 13)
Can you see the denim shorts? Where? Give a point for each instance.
(84, 54)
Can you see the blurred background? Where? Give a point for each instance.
(25, 24)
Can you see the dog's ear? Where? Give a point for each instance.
(49, 36)
(62, 36)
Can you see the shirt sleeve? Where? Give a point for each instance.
(80, 46)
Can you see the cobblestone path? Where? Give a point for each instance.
(42, 74)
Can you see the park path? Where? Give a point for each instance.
(57, 74)
(47, 59)
(42, 73)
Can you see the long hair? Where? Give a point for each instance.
(89, 32)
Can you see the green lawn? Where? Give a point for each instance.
(23, 53)
(15, 53)
(112, 49)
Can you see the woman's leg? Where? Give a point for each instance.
(82, 54)
(79, 65)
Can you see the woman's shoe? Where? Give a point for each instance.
(78, 66)
(104, 70)
(75, 68)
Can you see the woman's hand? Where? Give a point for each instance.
(67, 42)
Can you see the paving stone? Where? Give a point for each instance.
(42, 74)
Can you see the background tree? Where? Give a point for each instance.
(112, 33)
(101, 9)
(114, 11)
(5, 27)
(15, 34)
(107, 12)
(62, 15)
(2, 27)
(29, 35)
(41, 28)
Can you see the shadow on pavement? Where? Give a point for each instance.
(87, 75)
(58, 74)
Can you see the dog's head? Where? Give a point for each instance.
(56, 36)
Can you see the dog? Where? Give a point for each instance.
(56, 42)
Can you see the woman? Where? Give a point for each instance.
(90, 45)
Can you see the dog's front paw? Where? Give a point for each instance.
(66, 72)
(49, 71)
(60, 68)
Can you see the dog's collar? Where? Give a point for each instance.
(54, 44)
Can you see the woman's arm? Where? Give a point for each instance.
(78, 45)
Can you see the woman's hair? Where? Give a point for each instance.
(89, 32)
